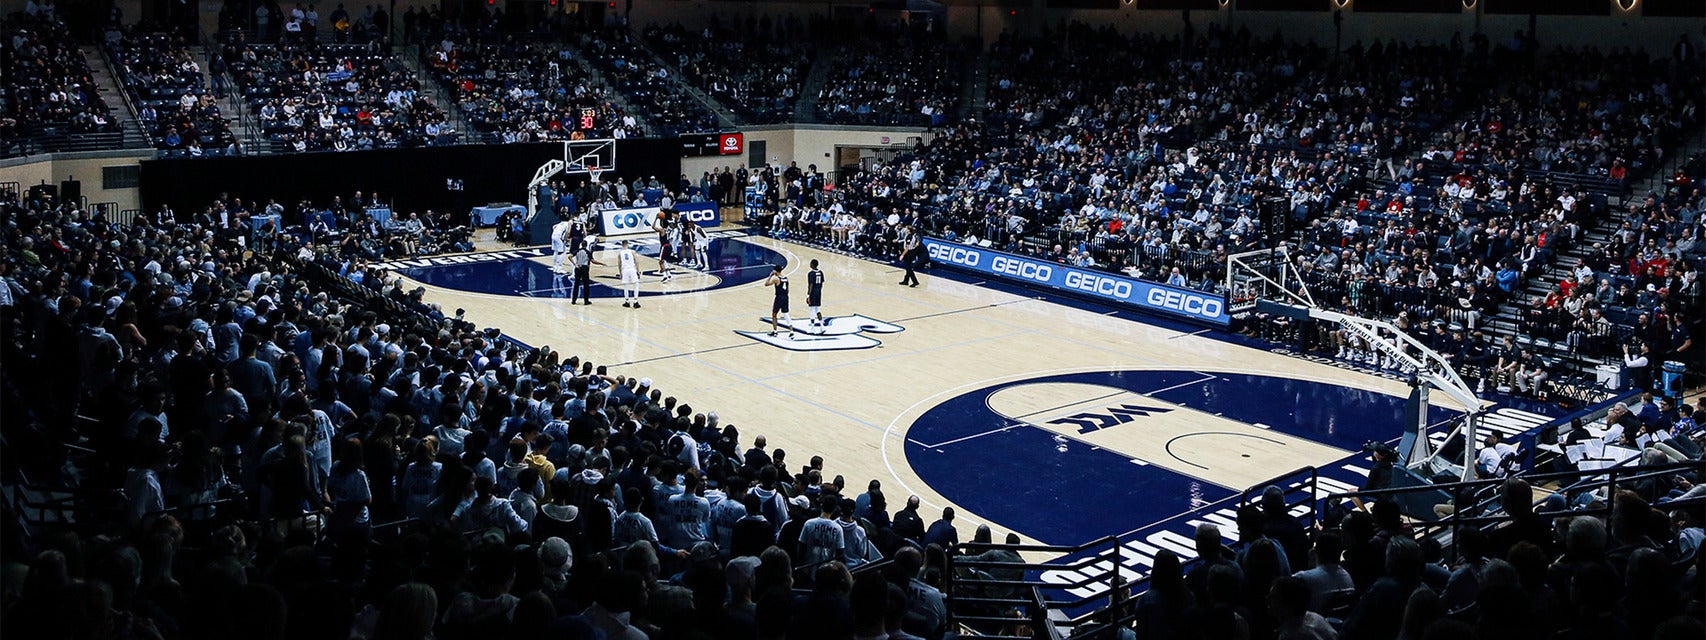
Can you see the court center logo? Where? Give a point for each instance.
(839, 333)
(1082, 455)
(1113, 416)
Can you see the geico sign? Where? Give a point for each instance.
(956, 255)
(700, 215)
(630, 220)
(1022, 268)
(1188, 303)
(1100, 285)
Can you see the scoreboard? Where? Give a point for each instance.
(712, 144)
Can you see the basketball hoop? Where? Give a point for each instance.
(595, 172)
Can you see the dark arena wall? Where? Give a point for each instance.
(407, 179)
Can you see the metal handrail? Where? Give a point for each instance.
(962, 548)
(124, 91)
(1313, 487)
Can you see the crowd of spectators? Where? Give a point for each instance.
(523, 92)
(310, 96)
(1606, 114)
(1099, 168)
(894, 75)
(669, 109)
(1631, 574)
(49, 87)
(1631, 296)
(1131, 154)
(307, 450)
(759, 75)
(171, 97)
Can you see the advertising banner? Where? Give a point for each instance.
(1110, 287)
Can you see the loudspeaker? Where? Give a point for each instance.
(40, 190)
(71, 190)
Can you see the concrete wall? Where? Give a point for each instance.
(805, 144)
(84, 167)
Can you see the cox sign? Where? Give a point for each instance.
(1120, 290)
(622, 222)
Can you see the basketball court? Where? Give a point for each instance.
(1060, 420)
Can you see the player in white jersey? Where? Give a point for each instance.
(559, 244)
(683, 240)
(629, 266)
(701, 247)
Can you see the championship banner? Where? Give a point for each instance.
(1121, 290)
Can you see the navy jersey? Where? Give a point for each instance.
(814, 284)
(781, 288)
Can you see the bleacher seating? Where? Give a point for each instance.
(325, 97)
(520, 92)
(893, 78)
(760, 76)
(171, 98)
(49, 86)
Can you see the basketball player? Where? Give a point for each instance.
(814, 296)
(583, 271)
(682, 231)
(630, 270)
(661, 226)
(779, 307)
(701, 247)
(559, 245)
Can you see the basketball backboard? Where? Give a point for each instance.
(592, 157)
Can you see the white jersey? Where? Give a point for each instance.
(559, 231)
(629, 267)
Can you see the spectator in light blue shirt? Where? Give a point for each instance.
(1176, 279)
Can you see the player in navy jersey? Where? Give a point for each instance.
(779, 308)
(814, 296)
(666, 244)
